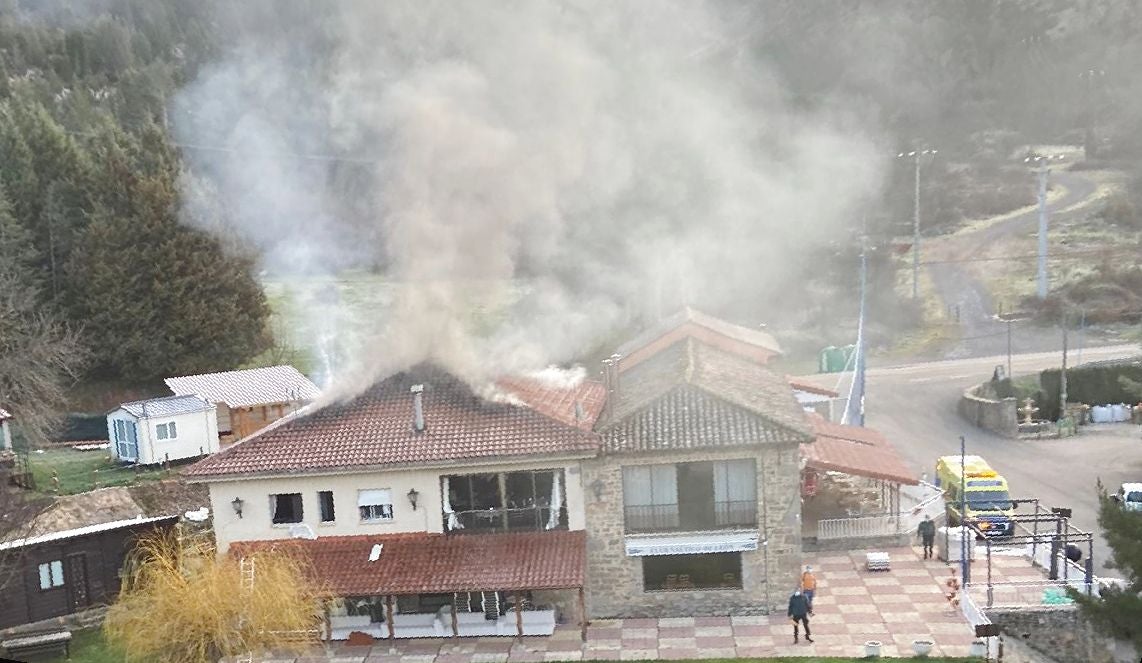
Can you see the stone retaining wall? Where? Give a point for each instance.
(865, 543)
(1058, 632)
(997, 416)
(76, 621)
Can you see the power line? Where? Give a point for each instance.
(1132, 251)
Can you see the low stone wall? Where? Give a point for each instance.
(1058, 632)
(997, 416)
(76, 621)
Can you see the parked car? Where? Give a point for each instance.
(1129, 495)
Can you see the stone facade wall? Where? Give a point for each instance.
(997, 416)
(1058, 632)
(615, 582)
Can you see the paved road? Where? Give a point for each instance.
(915, 406)
(959, 288)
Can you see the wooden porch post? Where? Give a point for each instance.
(389, 615)
(518, 615)
(455, 620)
(582, 615)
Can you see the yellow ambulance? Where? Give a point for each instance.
(988, 504)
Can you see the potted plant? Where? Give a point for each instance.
(922, 647)
(872, 649)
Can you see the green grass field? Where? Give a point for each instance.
(80, 471)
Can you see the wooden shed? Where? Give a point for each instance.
(248, 400)
(56, 574)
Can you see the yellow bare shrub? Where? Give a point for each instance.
(181, 603)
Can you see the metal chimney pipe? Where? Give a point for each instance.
(417, 407)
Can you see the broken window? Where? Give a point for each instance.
(508, 501)
(376, 504)
(682, 572)
(285, 508)
(325, 502)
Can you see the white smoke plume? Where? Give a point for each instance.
(564, 166)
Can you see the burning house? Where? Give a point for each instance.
(425, 508)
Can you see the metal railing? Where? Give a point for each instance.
(1026, 593)
(929, 501)
(675, 517)
(523, 519)
(885, 524)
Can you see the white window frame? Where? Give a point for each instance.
(51, 574)
(375, 505)
(166, 431)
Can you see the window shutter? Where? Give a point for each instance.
(374, 497)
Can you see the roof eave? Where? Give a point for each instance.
(388, 467)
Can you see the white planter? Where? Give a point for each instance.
(978, 648)
(922, 647)
(872, 649)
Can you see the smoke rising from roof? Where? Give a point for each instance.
(569, 166)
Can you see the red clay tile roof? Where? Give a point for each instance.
(802, 385)
(855, 450)
(752, 344)
(437, 563)
(375, 429)
(577, 403)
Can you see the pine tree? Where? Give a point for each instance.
(1119, 609)
(159, 298)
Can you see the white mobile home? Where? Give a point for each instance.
(162, 429)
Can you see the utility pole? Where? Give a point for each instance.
(1063, 374)
(1008, 348)
(915, 155)
(1043, 170)
(1090, 141)
(965, 532)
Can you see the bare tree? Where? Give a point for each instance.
(39, 358)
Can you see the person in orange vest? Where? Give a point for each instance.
(809, 586)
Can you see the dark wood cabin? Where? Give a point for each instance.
(57, 574)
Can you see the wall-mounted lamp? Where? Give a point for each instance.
(237, 504)
(413, 496)
(597, 487)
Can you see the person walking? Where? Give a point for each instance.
(799, 613)
(927, 532)
(809, 586)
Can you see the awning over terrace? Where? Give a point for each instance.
(424, 563)
(857, 451)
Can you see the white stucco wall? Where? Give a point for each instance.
(255, 523)
(197, 435)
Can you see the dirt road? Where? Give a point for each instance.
(961, 291)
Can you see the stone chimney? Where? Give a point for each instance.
(417, 407)
(611, 383)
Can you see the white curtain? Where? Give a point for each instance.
(650, 485)
(735, 488)
(453, 522)
(735, 481)
(556, 499)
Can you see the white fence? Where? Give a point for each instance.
(975, 617)
(925, 499)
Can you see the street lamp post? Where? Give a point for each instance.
(915, 156)
(1043, 170)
